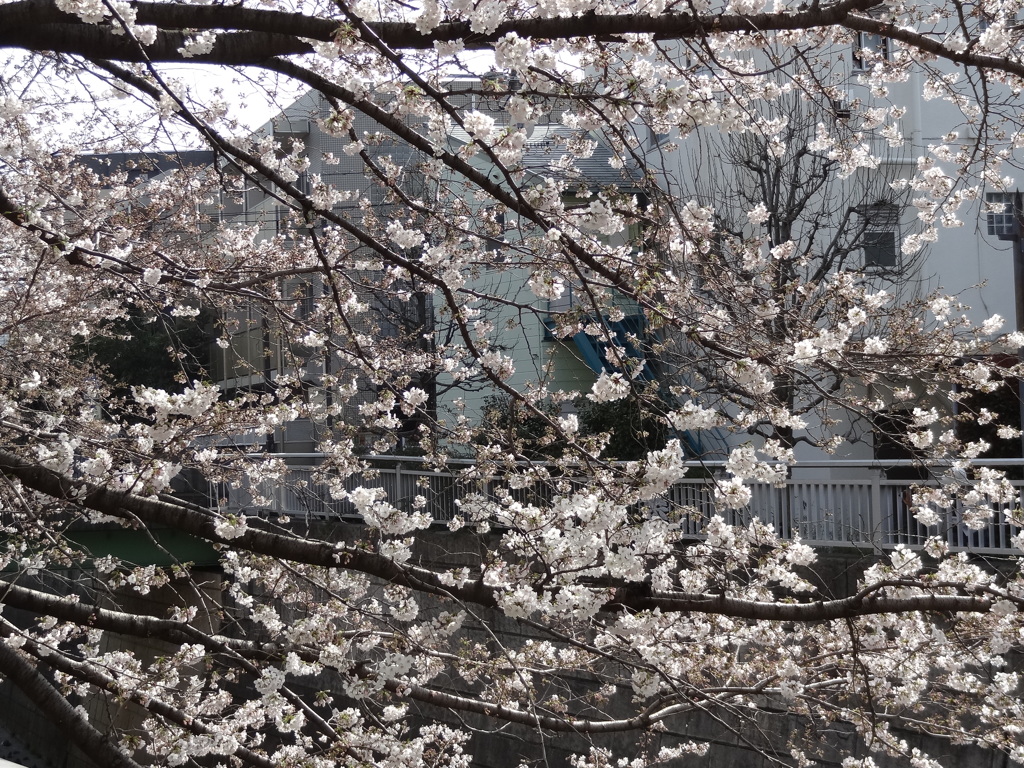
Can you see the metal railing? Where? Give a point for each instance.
(864, 509)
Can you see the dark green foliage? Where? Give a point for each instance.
(529, 434)
(162, 352)
(634, 432)
(1003, 401)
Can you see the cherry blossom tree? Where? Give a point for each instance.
(571, 611)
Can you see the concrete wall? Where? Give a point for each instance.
(737, 740)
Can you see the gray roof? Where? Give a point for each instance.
(546, 144)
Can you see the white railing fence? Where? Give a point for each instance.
(868, 510)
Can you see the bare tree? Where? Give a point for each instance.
(778, 199)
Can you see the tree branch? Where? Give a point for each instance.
(628, 598)
(59, 711)
(251, 36)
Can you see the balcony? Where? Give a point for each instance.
(866, 511)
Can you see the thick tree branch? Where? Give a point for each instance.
(159, 513)
(251, 36)
(26, 20)
(232, 49)
(123, 623)
(136, 625)
(16, 668)
(104, 682)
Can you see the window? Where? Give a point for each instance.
(654, 138)
(869, 48)
(986, 17)
(880, 239)
(880, 249)
(493, 226)
(1000, 214)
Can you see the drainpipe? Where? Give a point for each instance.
(1018, 292)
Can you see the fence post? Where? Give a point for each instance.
(394, 501)
(875, 513)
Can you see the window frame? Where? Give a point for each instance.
(870, 41)
(880, 236)
(1000, 224)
